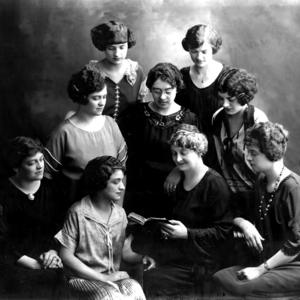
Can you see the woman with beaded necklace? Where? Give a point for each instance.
(272, 229)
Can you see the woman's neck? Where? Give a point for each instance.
(86, 121)
(193, 176)
(26, 186)
(173, 108)
(108, 66)
(277, 172)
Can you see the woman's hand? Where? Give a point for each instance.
(50, 260)
(120, 275)
(171, 181)
(174, 230)
(251, 234)
(149, 263)
(250, 273)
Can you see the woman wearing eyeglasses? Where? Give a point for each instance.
(148, 127)
(237, 88)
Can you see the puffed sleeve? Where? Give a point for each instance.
(68, 235)
(292, 246)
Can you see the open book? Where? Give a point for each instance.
(138, 219)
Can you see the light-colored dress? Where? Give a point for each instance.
(70, 148)
(98, 245)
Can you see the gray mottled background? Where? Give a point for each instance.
(43, 42)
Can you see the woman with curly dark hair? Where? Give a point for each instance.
(271, 228)
(124, 77)
(86, 134)
(93, 239)
(147, 128)
(237, 88)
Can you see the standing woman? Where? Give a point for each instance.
(85, 135)
(148, 128)
(123, 76)
(30, 215)
(201, 79)
(199, 224)
(271, 228)
(237, 88)
(93, 238)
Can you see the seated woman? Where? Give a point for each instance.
(30, 216)
(271, 229)
(237, 88)
(93, 238)
(147, 130)
(85, 135)
(200, 222)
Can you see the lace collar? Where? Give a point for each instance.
(130, 73)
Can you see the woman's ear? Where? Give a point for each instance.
(16, 171)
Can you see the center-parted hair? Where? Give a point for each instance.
(197, 35)
(18, 149)
(85, 82)
(271, 138)
(238, 83)
(188, 136)
(98, 171)
(166, 72)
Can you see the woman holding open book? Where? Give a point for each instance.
(188, 252)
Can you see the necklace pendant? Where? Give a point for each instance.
(30, 196)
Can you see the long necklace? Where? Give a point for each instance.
(264, 204)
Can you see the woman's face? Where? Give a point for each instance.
(202, 56)
(163, 94)
(231, 104)
(31, 168)
(258, 160)
(184, 159)
(96, 103)
(116, 53)
(115, 187)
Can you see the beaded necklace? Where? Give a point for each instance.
(264, 206)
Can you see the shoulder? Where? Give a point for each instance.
(259, 115)
(292, 181)
(185, 71)
(216, 181)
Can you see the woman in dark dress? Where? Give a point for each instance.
(30, 217)
(200, 94)
(271, 230)
(199, 224)
(147, 130)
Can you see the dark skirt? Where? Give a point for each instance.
(278, 282)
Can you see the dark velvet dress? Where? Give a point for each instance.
(149, 157)
(185, 263)
(204, 102)
(27, 228)
(281, 231)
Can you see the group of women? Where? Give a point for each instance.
(195, 152)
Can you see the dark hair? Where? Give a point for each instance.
(271, 139)
(198, 34)
(98, 171)
(18, 149)
(85, 82)
(166, 72)
(188, 136)
(238, 83)
(111, 32)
